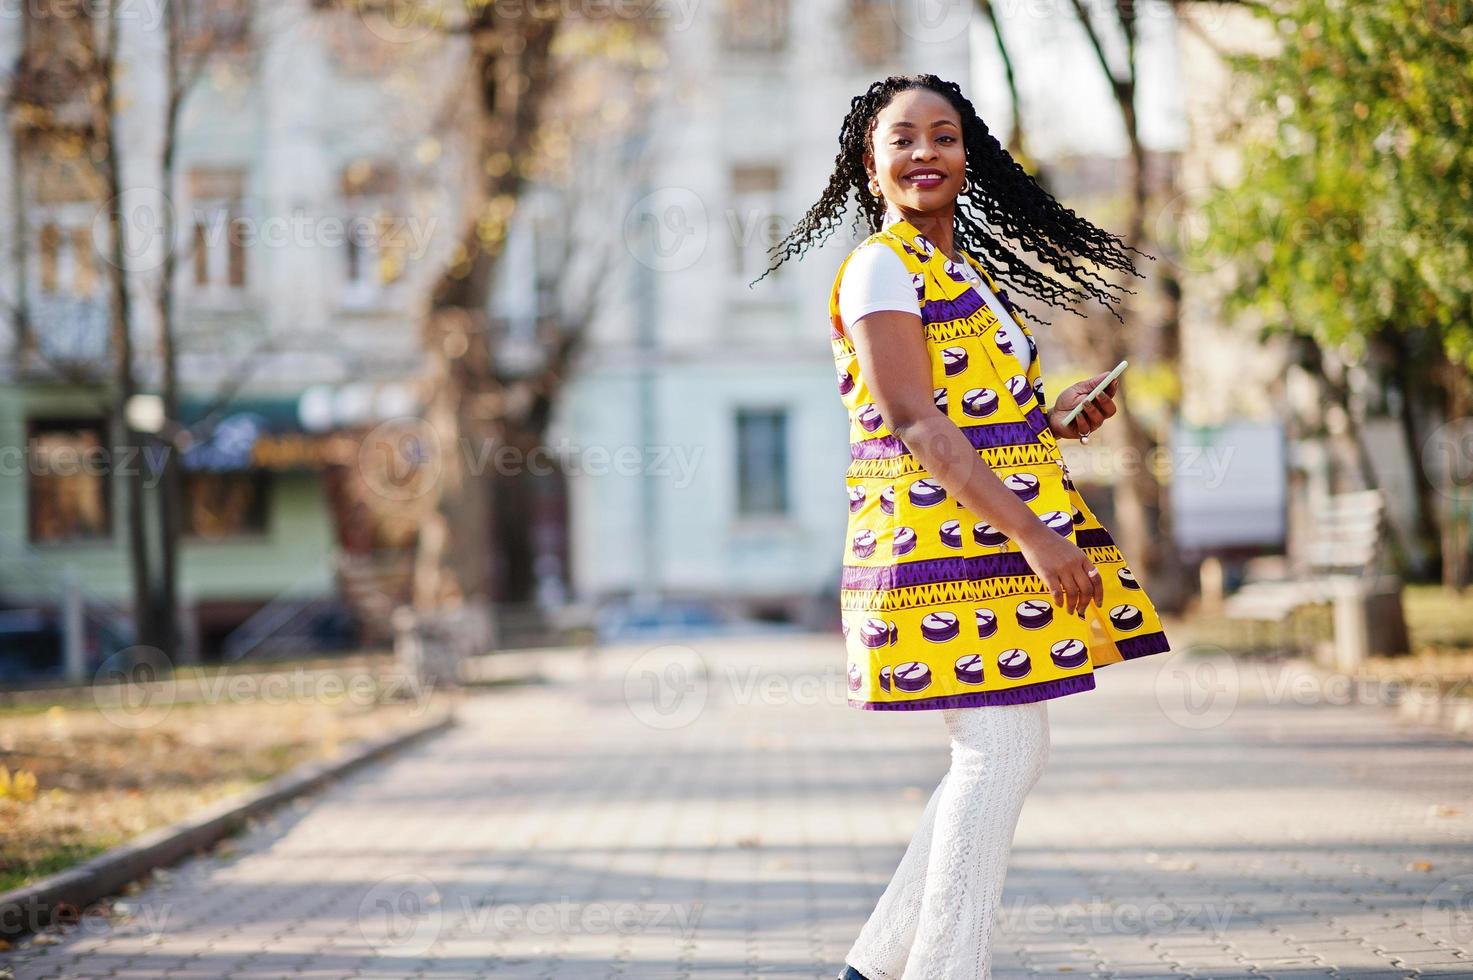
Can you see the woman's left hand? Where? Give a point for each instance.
(1091, 417)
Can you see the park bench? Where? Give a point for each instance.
(1340, 565)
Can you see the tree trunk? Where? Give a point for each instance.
(170, 495)
(1413, 373)
(105, 115)
(1453, 482)
(1142, 511)
(509, 77)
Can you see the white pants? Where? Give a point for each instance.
(936, 919)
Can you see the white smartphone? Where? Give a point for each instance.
(1104, 383)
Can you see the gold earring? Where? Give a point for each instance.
(874, 187)
(966, 184)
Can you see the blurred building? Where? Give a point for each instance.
(307, 190)
(703, 436)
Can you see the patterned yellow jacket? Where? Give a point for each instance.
(940, 609)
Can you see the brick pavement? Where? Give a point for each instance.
(640, 818)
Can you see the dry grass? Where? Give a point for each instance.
(100, 782)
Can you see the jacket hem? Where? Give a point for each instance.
(970, 699)
(1142, 646)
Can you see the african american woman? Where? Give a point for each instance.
(976, 581)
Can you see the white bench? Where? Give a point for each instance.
(1339, 566)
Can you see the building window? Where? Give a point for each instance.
(66, 260)
(226, 504)
(68, 486)
(874, 31)
(762, 461)
(754, 221)
(65, 269)
(374, 248)
(49, 249)
(66, 280)
(220, 231)
(755, 25)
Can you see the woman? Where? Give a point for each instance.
(976, 580)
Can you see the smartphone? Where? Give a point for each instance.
(1104, 383)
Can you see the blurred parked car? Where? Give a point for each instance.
(628, 620)
(31, 646)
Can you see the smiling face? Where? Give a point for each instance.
(917, 155)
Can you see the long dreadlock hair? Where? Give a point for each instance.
(1002, 201)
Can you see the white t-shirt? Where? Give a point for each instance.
(875, 279)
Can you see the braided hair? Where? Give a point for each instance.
(1002, 201)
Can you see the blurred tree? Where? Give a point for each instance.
(526, 77)
(1016, 142)
(1144, 519)
(195, 32)
(65, 105)
(1352, 226)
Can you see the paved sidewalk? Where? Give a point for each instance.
(648, 820)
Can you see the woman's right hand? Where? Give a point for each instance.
(1064, 568)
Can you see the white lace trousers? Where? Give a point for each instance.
(935, 920)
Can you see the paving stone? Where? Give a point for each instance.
(748, 834)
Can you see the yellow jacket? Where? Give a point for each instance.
(939, 609)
